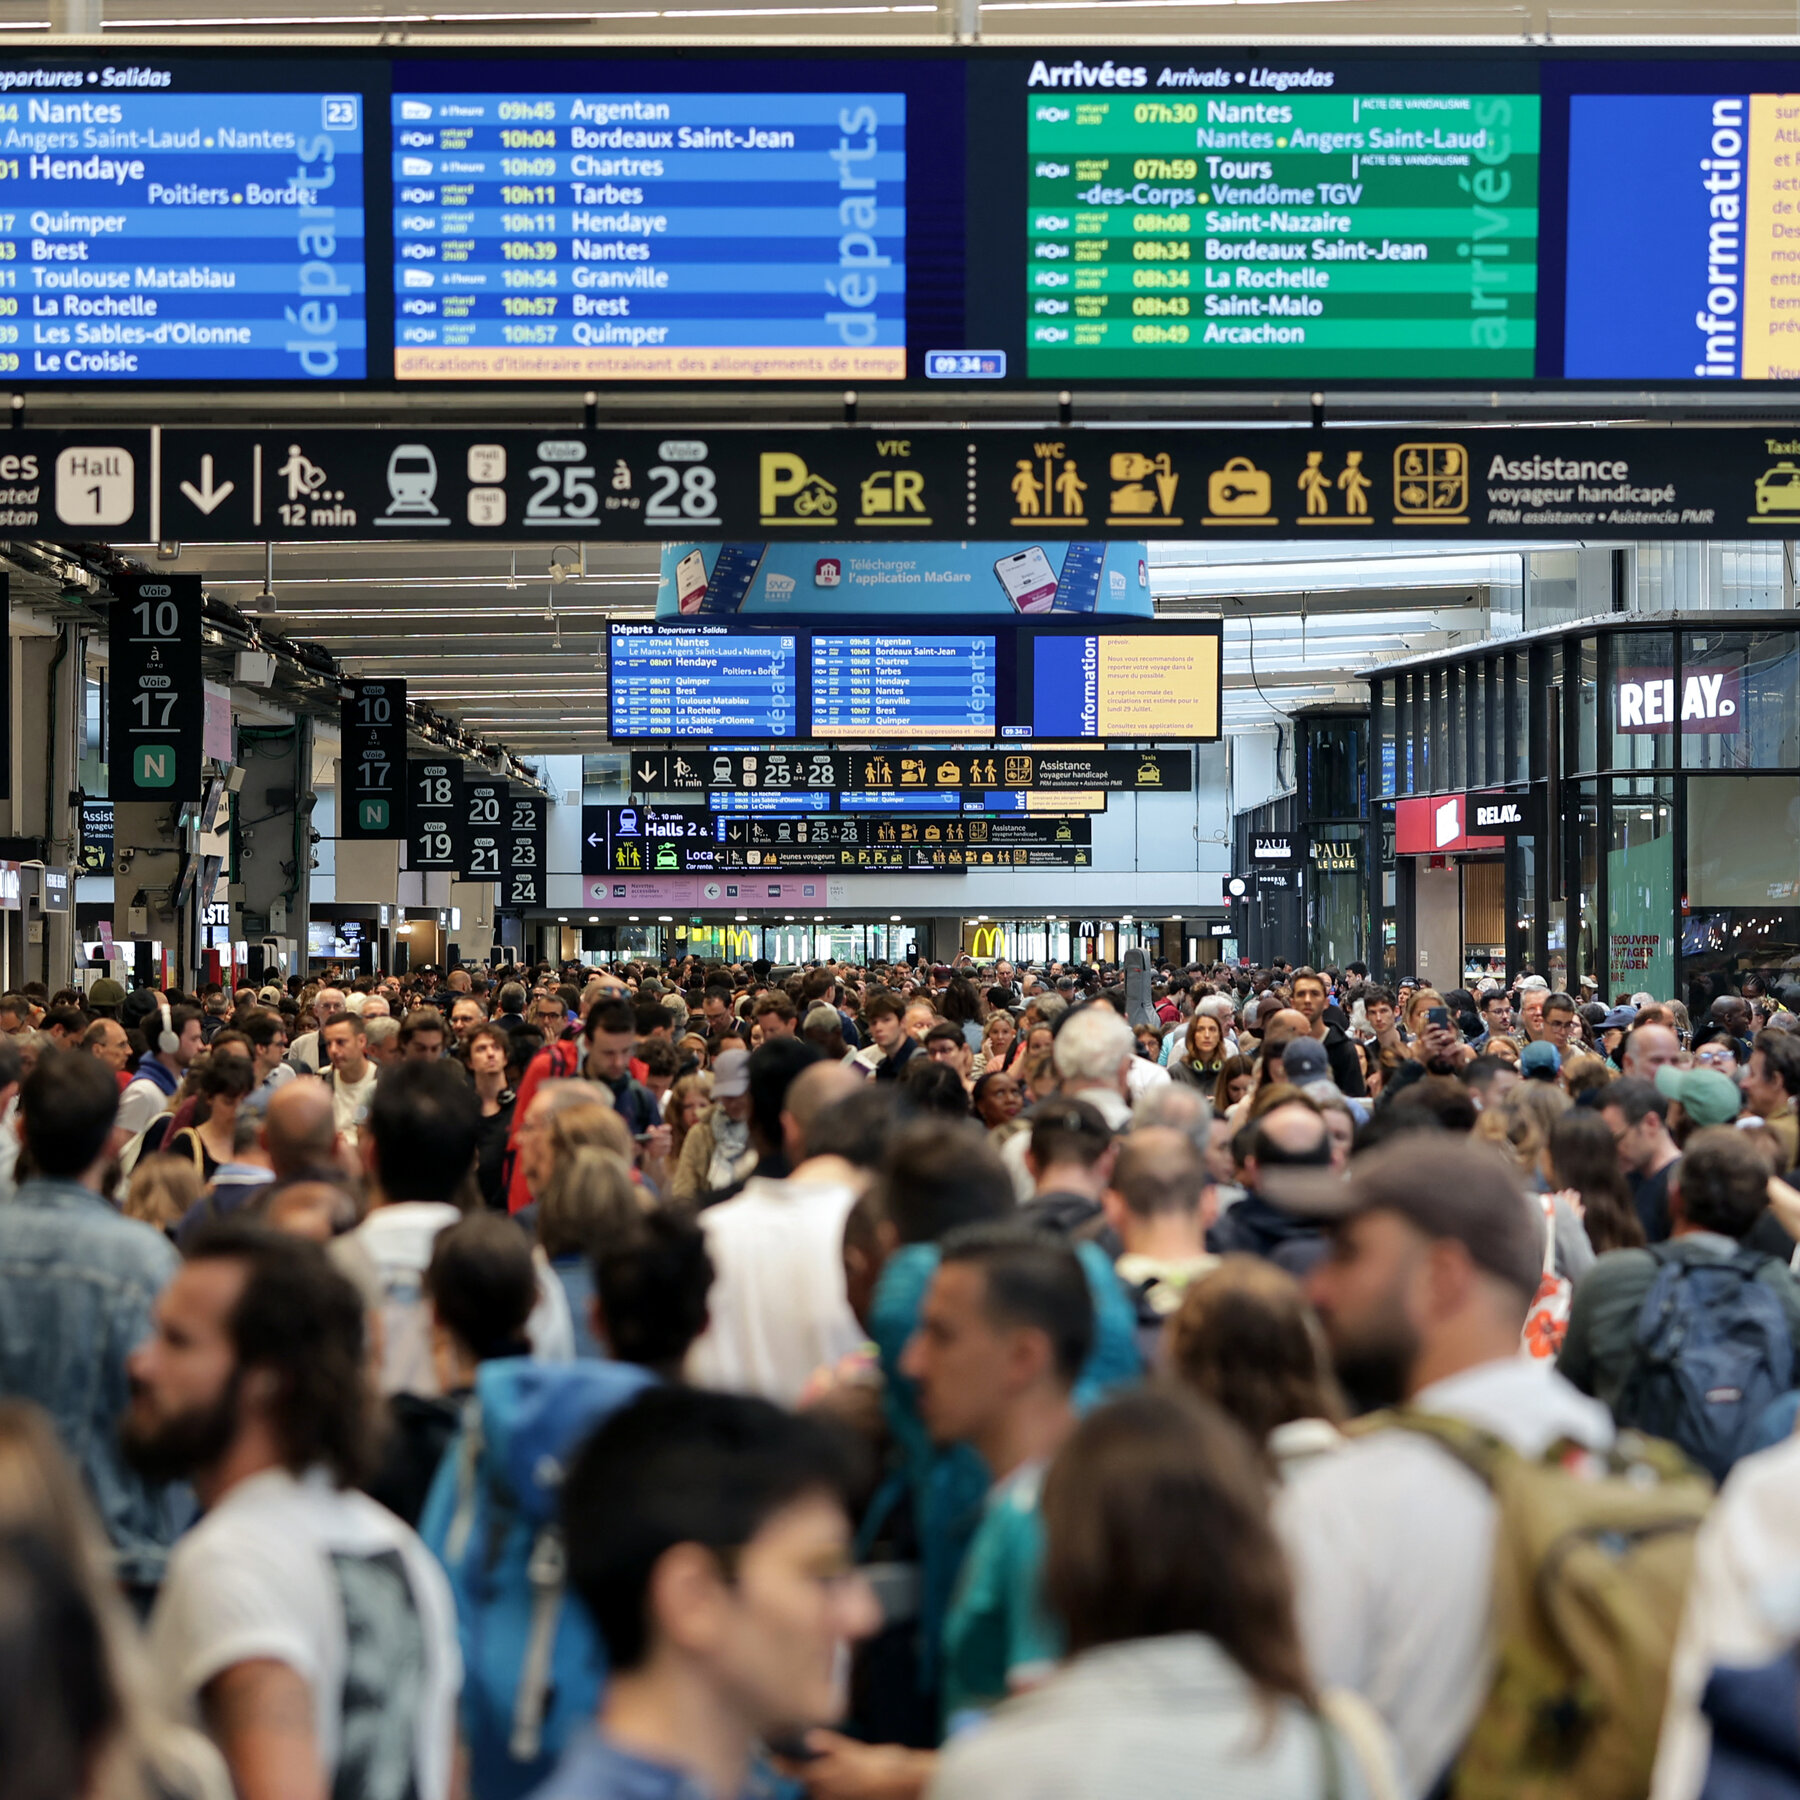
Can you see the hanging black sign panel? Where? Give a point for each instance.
(5, 687)
(485, 810)
(157, 712)
(1151, 482)
(804, 771)
(1273, 849)
(373, 801)
(526, 845)
(434, 804)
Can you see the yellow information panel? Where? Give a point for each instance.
(1772, 240)
(1158, 687)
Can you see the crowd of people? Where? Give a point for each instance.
(691, 1381)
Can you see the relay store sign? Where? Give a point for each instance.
(1712, 701)
(1439, 826)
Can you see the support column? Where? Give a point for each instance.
(272, 893)
(146, 871)
(47, 747)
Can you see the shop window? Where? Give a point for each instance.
(1335, 767)
(1337, 892)
(1639, 684)
(1516, 723)
(1588, 923)
(1640, 886)
(1584, 666)
(1743, 835)
(1384, 736)
(1456, 712)
(1738, 704)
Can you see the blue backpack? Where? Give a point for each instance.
(1711, 1351)
(532, 1662)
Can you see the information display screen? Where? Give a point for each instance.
(1192, 235)
(903, 685)
(968, 216)
(1122, 685)
(1144, 682)
(700, 684)
(150, 235)
(628, 234)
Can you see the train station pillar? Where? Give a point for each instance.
(46, 748)
(272, 893)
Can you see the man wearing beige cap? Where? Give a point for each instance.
(1435, 1255)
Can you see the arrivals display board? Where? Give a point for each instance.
(1156, 681)
(854, 218)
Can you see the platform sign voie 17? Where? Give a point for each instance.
(640, 235)
(152, 233)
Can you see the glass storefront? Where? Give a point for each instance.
(1665, 764)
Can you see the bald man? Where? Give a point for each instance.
(778, 1309)
(1647, 1049)
(299, 1134)
(1159, 1205)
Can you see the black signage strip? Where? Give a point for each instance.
(372, 785)
(434, 814)
(96, 838)
(299, 485)
(157, 709)
(1038, 771)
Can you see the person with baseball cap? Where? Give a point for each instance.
(1435, 1254)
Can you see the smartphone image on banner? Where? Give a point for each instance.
(731, 577)
(1028, 579)
(1079, 587)
(690, 581)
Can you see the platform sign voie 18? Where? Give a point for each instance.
(643, 235)
(154, 235)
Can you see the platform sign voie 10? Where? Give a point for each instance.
(639, 235)
(155, 233)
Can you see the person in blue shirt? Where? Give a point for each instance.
(1007, 1324)
(709, 1538)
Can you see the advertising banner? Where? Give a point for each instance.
(899, 580)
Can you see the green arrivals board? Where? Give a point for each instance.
(1246, 236)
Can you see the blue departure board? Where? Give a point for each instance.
(784, 800)
(181, 236)
(908, 685)
(649, 236)
(700, 684)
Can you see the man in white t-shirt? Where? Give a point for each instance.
(305, 1627)
(1435, 1256)
(778, 1310)
(352, 1074)
(307, 1052)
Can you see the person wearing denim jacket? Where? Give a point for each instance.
(77, 1285)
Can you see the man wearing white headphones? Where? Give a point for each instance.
(174, 1040)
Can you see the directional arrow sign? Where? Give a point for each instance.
(207, 497)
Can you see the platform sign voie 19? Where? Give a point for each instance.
(157, 705)
(635, 234)
(150, 234)
(435, 813)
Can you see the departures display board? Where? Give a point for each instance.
(1151, 681)
(963, 215)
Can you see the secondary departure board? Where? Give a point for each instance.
(810, 679)
(156, 236)
(1198, 236)
(642, 236)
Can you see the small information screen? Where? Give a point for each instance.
(159, 236)
(903, 686)
(649, 236)
(700, 684)
(1125, 685)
